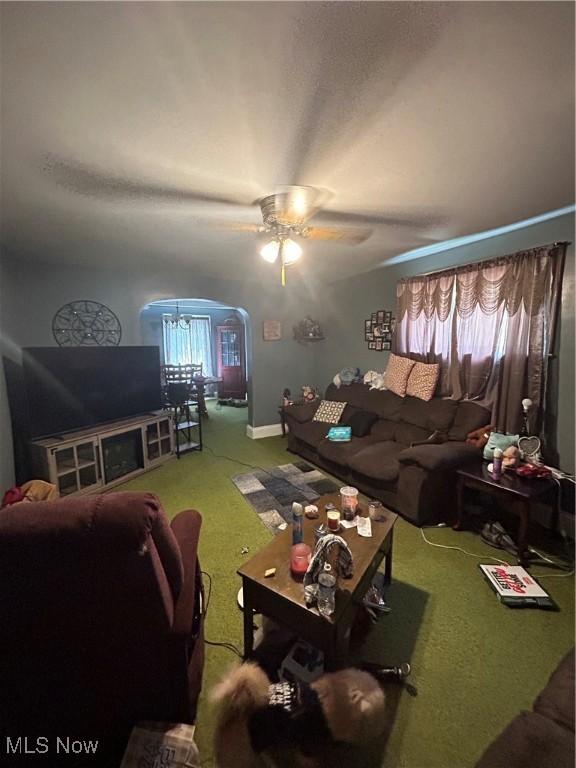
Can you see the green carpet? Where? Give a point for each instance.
(475, 663)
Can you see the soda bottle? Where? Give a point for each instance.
(326, 591)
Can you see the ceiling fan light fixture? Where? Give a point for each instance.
(291, 251)
(269, 252)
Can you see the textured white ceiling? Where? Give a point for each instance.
(116, 117)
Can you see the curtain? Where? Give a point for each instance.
(491, 326)
(189, 344)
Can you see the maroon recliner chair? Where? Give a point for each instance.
(101, 622)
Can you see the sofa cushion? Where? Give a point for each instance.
(396, 374)
(410, 433)
(469, 416)
(384, 429)
(422, 380)
(355, 394)
(440, 457)
(378, 461)
(311, 433)
(361, 423)
(341, 453)
(436, 414)
(556, 701)
(385, 403)
(329, 411)
(530, 741)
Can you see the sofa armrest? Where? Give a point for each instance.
(301, 413)
(438, 457)
(186, 529)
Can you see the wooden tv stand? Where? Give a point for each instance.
(90, 460)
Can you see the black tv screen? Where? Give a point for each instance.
(70, 388)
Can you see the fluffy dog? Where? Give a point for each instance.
(261, 724)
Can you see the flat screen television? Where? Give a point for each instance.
(70, 388)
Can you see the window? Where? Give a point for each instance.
(189, 342)
(490, 325)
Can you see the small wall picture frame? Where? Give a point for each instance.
(272, 330)
(371, 345)
(386, 345)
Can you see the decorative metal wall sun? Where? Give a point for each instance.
(86, 324)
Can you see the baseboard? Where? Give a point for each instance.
(268, 430)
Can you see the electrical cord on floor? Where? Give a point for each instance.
(236, 461)
(459, 549)
(228, 646)
(504, 562)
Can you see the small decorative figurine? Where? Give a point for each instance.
(511, 457)
(309, 394)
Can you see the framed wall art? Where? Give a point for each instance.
(378, 330)
(272, 330)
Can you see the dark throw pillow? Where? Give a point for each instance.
(361, 423)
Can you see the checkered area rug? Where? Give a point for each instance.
(272, 492)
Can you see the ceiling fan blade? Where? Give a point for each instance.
(418, 221)
(85, 180)
(233, 226)
(347, 235)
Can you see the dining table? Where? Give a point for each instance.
(200, 384)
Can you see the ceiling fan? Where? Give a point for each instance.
(285, 216)
(285, 213)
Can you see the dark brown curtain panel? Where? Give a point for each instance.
(491, 327)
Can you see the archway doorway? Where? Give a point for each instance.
(202, 331)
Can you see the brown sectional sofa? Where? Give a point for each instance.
(409, 456)
(544, 737)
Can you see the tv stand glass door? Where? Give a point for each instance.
(77, 467)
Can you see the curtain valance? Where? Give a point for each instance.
(526, 279)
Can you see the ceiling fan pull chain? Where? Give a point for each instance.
(281, 255)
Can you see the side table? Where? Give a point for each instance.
(282, 420)
(519, 491)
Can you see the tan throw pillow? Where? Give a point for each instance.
(329, 411)
(397, 372)
(422, 380)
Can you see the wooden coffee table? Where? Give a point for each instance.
(281, 597)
